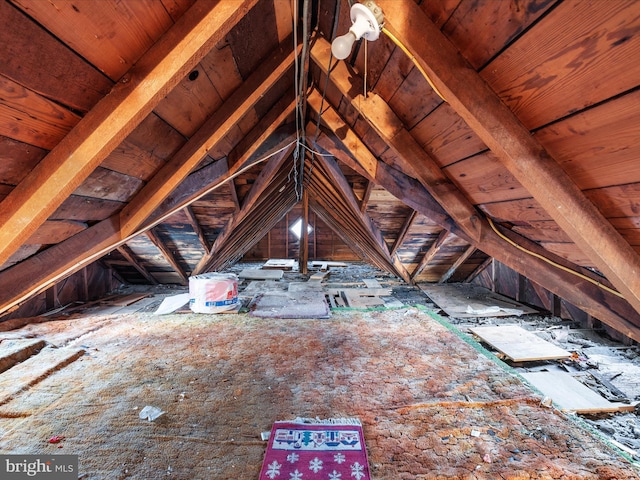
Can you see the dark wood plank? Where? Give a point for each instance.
(113, 118)
(513, 144)
(67, 79)
(599, 147)
(146, 149)
(547, 74)
(30, 118)
(17, 159)
(109, 185)
(85, 209)
(481, 29)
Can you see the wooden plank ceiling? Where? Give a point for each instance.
(165, 138)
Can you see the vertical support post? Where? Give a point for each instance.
(269, 244)
(304, 234)
(493, 274)
(51, 297)
(84, 285)
(286, 236)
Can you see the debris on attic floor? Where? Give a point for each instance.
(462, 300)
(430, 403)
(424, 396)
(518, 344)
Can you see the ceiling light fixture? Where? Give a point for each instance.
(367, 19)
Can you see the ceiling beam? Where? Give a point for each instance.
(113, 118)
(128, 254)
(430, 254)
(197, 228)
(264, 179)
(406, 226)
(366, 195)
(512, 143)
(214, 129)
(457, 264)
(567, 281)
(167, 254)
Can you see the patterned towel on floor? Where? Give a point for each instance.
(312, 449)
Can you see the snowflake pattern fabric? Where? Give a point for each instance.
(327, 450)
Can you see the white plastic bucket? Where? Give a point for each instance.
(213, 292)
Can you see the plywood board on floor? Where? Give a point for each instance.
(571, 395)
(257, 274)
(465, 300)
(519, 344)
(300, 304)
(222, 380)
(358, 301)
(280, 264)
(35, 369)
(324, 266)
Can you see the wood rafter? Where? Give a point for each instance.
(197, 228)
(520, 152)
(126, 252)
(167, 254)
(430, 254)
(113, 118)
(406, 226)
(214, 130)
(267, 174)
(469, 223)
(457, 264)
(366, 195)
(478, 270)
(339, 182)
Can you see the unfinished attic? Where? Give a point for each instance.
(314, 149)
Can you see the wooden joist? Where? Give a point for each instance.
(197, 228)
(430, 254)
(527, 160)
(126, 252)
(112, 119)
(469, 223)
(168, 255)
(214, 130)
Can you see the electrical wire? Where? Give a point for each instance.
(395, 40)
(551, 262)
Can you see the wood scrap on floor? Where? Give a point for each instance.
(35, 369)
(518, 344)
(301, 304)
(571, 395)
(324, 266)
(126, 300)
(280, 264)
(257, 274)
(466, 300)
(16, 350)
(318, 276)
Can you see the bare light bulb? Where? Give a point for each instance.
(341, 46)
(364, 24)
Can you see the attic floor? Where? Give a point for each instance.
(432, 405)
